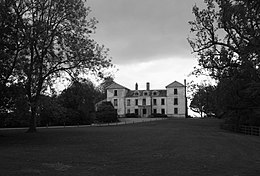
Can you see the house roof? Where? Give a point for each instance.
(153, 93)
(115, 85)
(175, 84)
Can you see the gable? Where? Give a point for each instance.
(115, 85)
(175, 84)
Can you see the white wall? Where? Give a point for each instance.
(169, 102)
(181, 102)
(120, 100)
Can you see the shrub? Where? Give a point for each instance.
(189, 116)
(106, 113)
(158, 115)
(132, 115)
(12, 119)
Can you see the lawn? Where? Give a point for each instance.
(174, 147)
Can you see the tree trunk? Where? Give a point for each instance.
(32, 125)
(201, 114)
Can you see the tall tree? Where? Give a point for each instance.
(227, 42)
(226, 38)
(56, 37)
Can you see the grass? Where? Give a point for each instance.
(174, 147)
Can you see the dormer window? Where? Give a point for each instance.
(136, 93)
(145, 93)
(155, 93)
(115, 92)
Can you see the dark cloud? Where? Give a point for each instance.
(142, 30)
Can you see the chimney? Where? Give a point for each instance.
(147, 86)
(136, 86)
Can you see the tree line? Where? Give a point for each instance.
(75, 105)
(225, 36)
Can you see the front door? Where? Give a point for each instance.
(144, 112)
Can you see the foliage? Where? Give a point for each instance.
(74, 106)
(203, 100)
(245, 109)
(227, 42)
(10, 46)
(158, 115)
(107, 82)
(14, 108)
(9, 62)
(106, 113)
(79, 100)
(47, 39)
(132, 115)
(51, 112)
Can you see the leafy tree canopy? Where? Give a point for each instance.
(42, 40)
(226, 39)
(203, 100)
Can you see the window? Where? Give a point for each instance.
(154, 102)
(163, 101)
(175, 101)
(145, 93)
(144, 111)
(163, 111)
(128, 111)
(175, 91)
(155, 93)
(136, 111)
(115, 102)
(128, 102)
(144, 101)
(136, 102)
(175, 110)
(154, 111)
(136, 93)
(115, 92)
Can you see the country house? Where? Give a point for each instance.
(170, 101)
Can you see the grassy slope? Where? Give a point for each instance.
(170, 147)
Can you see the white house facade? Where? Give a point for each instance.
(170, 101)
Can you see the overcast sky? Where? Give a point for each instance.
(147, 39)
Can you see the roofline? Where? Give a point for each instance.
(180, 84)
(119, 88)
(123, 87)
